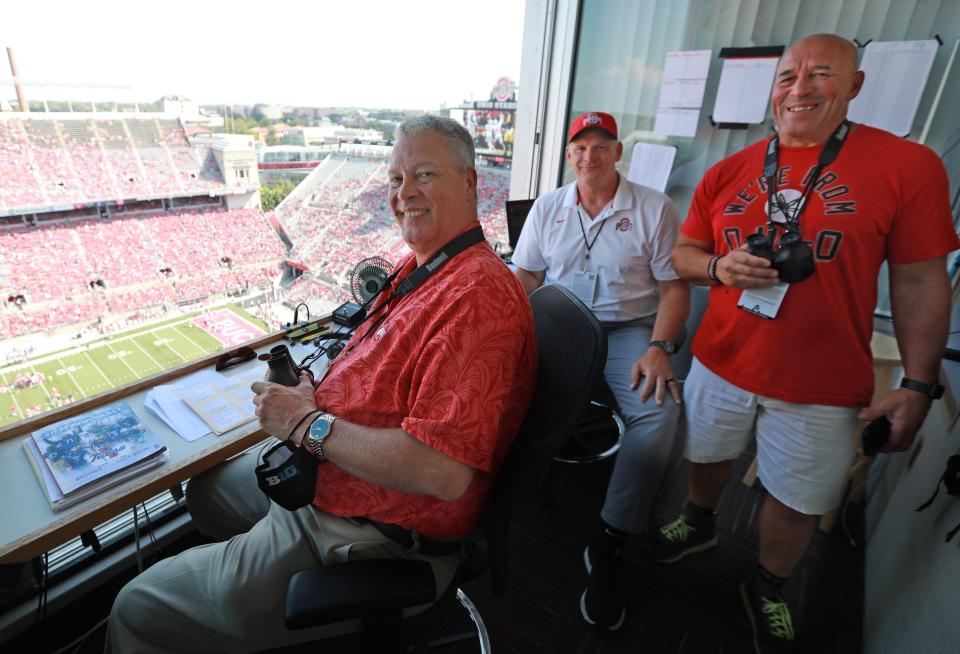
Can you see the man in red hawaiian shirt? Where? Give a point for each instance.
(410, 424)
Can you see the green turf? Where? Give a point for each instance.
(114, 361)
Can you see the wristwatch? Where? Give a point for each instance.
(318, 432)
(667, 346)
(933, 391)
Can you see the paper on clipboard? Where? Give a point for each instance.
(681, 92)
(744, 89)
(650, 165)
(896, 73)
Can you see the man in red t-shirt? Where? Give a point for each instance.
(791, 363)
(410, 425)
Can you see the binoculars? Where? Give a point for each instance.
(793, 259)
(280, 367)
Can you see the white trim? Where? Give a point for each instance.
(546, 72)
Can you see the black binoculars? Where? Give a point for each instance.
(793, 259)
(280, 367)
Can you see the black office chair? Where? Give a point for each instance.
(572, 352)
(598, 435)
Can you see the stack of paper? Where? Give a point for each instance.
(205, 402)
(681, 92)
(79, 457)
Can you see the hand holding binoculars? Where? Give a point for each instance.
(793, 260)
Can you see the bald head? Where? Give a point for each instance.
(816, 80)
(844, 49)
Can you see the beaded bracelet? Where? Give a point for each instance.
(712, 270)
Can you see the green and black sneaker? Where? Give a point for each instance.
(683, 536)
(770, 619)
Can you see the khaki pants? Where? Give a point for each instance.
(229, 596)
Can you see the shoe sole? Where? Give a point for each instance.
(586, 618)
(753, 621)
(702, 547)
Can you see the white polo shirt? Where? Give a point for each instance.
(636, 231)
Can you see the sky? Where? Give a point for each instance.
(405, 54)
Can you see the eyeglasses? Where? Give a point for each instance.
(235, 357)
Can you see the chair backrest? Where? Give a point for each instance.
(572, 353)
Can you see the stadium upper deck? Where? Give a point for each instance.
(339, 215)
(51, 162)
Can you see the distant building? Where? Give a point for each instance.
(331, 133)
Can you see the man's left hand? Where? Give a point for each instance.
(657, 373)
(906, 410)
(279, 407)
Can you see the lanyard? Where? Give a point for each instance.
(590, 244)
(770, 165)
(420, 275)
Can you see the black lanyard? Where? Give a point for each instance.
(770, 165)
(420, 275)
(590, 244)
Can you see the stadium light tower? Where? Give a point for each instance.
(16, 82)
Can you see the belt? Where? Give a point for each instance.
(413, 541)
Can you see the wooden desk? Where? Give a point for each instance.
(29, 527)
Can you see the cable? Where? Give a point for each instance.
(153, 538)
(136, 539)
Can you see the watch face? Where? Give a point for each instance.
(320, 428)
(666, 346)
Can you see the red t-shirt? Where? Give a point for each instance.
(883, 198)
(454, 364)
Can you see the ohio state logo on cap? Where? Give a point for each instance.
(590, 119)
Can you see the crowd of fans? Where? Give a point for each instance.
(346, 218)
(46, 161)
(75, 271)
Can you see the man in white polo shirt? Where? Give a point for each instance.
(609, 241)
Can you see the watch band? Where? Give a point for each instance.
(933, 391)
(667, 346)
(316, 444)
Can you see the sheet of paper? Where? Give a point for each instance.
(166, 403)
(226, 403)
(650, 165)
(686, 64)
(895, 74)
(744, 89)
(676, 122)
(683, 84)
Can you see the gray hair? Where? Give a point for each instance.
(459, 143)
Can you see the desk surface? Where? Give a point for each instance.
(30, 527)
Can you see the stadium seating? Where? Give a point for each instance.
(66, 160)
(346, 218)
(142, 261)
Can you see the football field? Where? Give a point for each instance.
(49, 381)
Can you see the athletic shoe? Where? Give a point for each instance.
(677, 539)
(601, 603)
(769, 618)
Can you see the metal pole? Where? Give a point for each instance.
(21, 99)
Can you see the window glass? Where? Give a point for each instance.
(622, 45)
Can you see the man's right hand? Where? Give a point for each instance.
(740, 269)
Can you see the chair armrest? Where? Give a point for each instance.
(357, 589)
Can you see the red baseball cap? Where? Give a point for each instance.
(592, 119)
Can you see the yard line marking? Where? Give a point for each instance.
(102, 374)
(186, 336)
(170, 347)
(149, 356)
(80, 388)
(42, 385)
(120, 359)
(13, 396)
